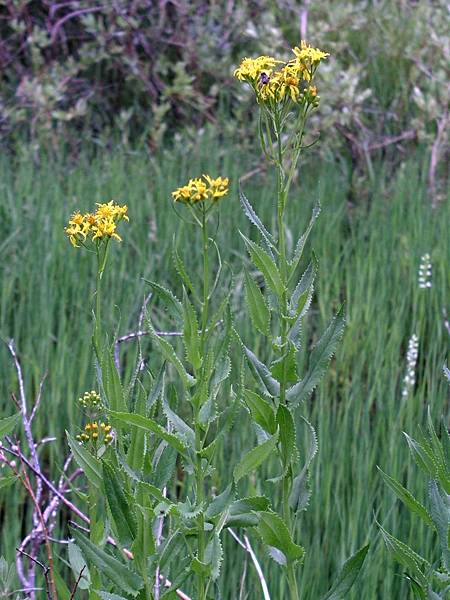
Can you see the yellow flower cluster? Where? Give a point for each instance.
(201, 189)
(90, 400)
(97, 433)
(98, 225)
(276, 81)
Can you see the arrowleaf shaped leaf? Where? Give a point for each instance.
(253, 459)
(259, 311)
(347, 576)
(92, 467)
(264, 263)
(121, 511)
(8, 424)
(169, 300)
(274, 532)
(261, 410)
(262, 373)
(151, 426)
(250, 213)
(191, 336)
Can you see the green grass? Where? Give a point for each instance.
(369, 255)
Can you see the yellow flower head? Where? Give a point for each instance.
(275, 81)
(98, 225)
(201, 189)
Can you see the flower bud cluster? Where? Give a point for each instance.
(425, 272)
(90, 400)
(97, 433)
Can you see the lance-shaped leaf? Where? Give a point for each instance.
(300, 491)
(264, 263)
(404, 555)
(244, 512)
(151, 426)
(220, 502)
(262, 373)
(284, 369)
(302, 290)
(122, 576)
(191, 337)
(320, 358)
(422, 457)
(286, 430)
(111, 382)
(92, 467)
(184, 431)
(440, 512)
(157, 388)
(275, 534)
(121, 511)
(347, 576)
(170, 302)
(262, 411)
(79, 566)
(259, 311)
(253, 459)
(214, 555)
(169, 354)
(250, 213)
(136, 450)
(8, 424)
(302, 240)
(182, 272)
(407, 498)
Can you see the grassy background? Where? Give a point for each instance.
(369, 252)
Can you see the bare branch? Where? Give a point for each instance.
(248, 548)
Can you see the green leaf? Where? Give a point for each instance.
(7, 480)
(149, 425)
(214, 555)
(136, 450)
(108, 596)
(274, 533)
(404, 555)
(220, 502)
(264, 263)
(184, 431)
(78, 564)
(303, 289)
(320, 358)
(259, 311)
(407, 498)
(262, 373)
(253, 459)
(300, 491)
(422, 457)
(61, 587)
(284, 369)
(250, 213)
(164, 465)
(169, 354)
(122, 576)
(191, 336)
(440, 512)
(169, 300)
(286, 430)
(8, 424)
(111, 382)
(347, 576)
(157, 388)
(261, 410)
(302, 240)
(91, 466)
(181, 270)
(121, 511)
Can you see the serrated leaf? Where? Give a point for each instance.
(121, 511)
(182, 428)
(111, 382)
(8, 480)
(261, 410)
(264, 263)
(8, 424)
(220, 502)
(302, 240)
(169, 300)
(284, 369)
(407, 498)
(214, 555)
(164, 465)
(320, 358)
(286, 429)
(181, 270)
(404, 555)
(422, 457)
(169, 354)
(303, 289)
(274, 532)
(157, 388)
(91, 466)
(108, 596)
(191, 337)
(149, 425)
(78, 565)
(347, 576)
(250, 213)
(258, 309)
(262, 373)
(244, 512)
(440, 513)
(253, 459)
(122, 576)
(136, 450)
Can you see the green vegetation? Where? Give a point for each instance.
(369, 252)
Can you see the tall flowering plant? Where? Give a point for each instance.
(286, 94)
